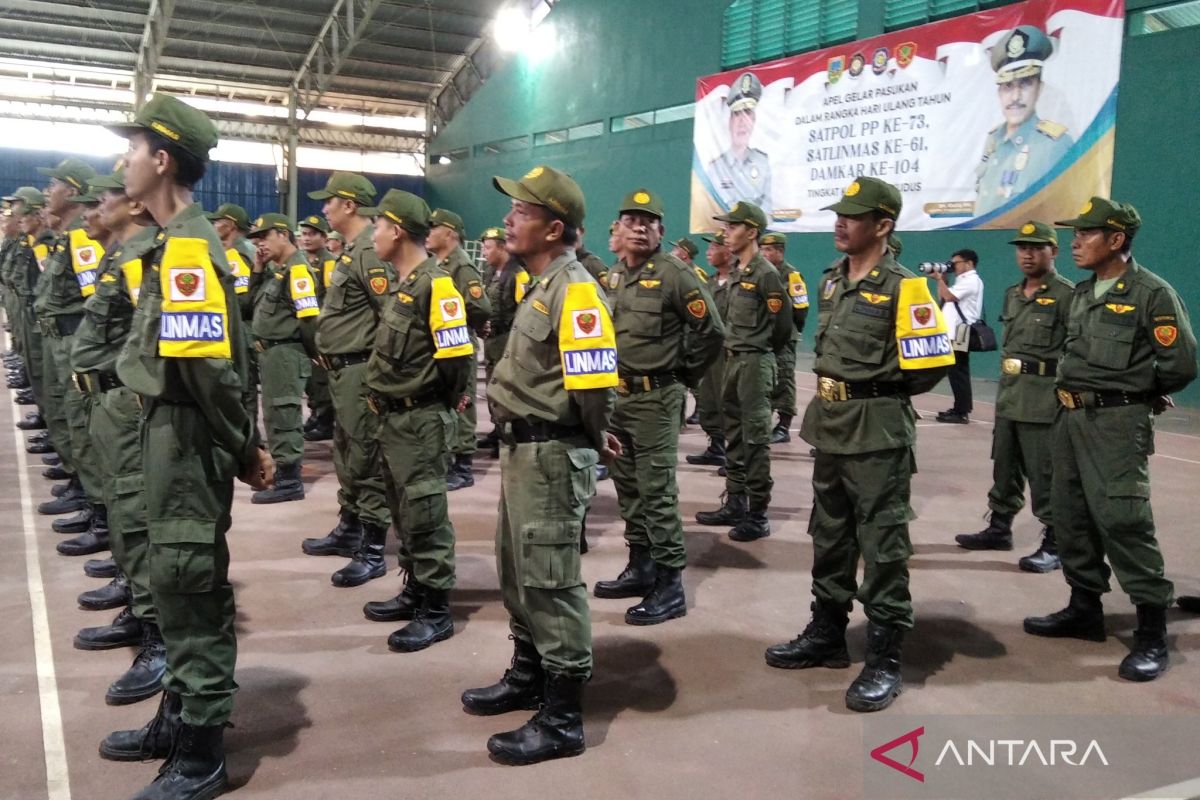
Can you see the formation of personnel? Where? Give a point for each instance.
(145, 331)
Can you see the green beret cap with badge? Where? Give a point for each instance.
(642, 201)
(349, 186)
(187, 127)
(746, 213)
(316, 222)
(745, 93)
(31, 197)
(687, 246)
(447, 219)
(269, 222)
(403, 208)
(72, 172)
(496, 234)
(1100, 212)
(232, 212)
(773, 238)
(1034, 232)
(1021, 53)
(547, 187)
(868, 194)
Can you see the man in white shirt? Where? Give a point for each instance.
(962, 303)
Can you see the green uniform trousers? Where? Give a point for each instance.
(33, 354)
(320, 404)
(1101, 500)
(356, 456)
(463, 437)
(647, 493)
(250, 391)
(1020, 452)
(749, 382)
(117, 424)
(55, 379)
(545, 491)
(189, 493)
(416, 445)
(77, 410)
(861, 507)
(783, 399)
(284, 369)
(708, 398)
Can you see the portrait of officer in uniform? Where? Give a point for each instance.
(742, 172)
(1024, 147)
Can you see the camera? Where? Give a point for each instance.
(935, 267)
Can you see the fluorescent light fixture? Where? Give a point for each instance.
(511, 27)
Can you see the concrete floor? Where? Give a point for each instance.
(686, 709)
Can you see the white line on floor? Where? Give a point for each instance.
(1187, 790)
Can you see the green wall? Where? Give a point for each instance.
(618, 57)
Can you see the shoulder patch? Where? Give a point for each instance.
(379, 284)
(1054, 130)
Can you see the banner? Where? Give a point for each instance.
(982, 121)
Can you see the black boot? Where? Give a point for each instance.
(344, 540)
(78, 522)
(1083, 618)
(665, 601)
(1045, 558)
(70, 501)
(401, 607)
(55, 472)
(1148, 659)
(634, 581)
(196, 768)
(367, 563)
(32, 421)
(113, 594)
(144, 677)
(1189, 603)
(287, 487)
(100, 568)
(822, 644)
(879, 682)
(319, 428)
(152, 740)
(732, 511)
(782, 433)
(93, 540)
(461, 474)
(519, 688)
(996, 536)
(556, 730)
(490, 443)
(713, 456)
(123, 631)
(25, 398)
(754, 526)
(431, 624)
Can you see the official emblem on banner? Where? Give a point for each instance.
(858, 63)
(879, 60)
(905, 53)
(837, 65)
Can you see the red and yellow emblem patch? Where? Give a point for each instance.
(476, 291)
(186, 283)
(697, 308)
(379, 285)
(775, 304)
(1166, 335)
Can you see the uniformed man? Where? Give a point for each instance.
(182, 358)
(758, 326)
(506, 281)
(1024, 147)
(742, 173)
(358, 291)
(708, 395)
(313, 238)
(445, 242)
(421, 369)
(336, 243)
(590, 261)
(685, 250)
(25, 266)
(783, 401)
(231, 223)
(880, 339)
(285, 330)
(1035, 316)
(553, 395)
(1129, 346)
(667, 335)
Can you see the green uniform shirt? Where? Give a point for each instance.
(501, 287)
(797, 296)
(720, 292)
(8, 250)
(664, 318)
(592, 263)
(321, 263)
(1035, 329)
(281, 311)
(856, 341)
(26, 269)
(758, 321)
(528, 381)
(108, 314)
(1011, 164)
(470, 285)
(357, 293)
(58, 292)
(1134, 338)
(402, 362)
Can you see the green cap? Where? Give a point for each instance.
(267, 223)
(31, 197)
(1021, 53)
(176, 121)
(773, 238)
(687, 246)
(1102, 213)
(716, 238)
(644, 201)
(547, 187)
(113, 181)
(403, 208)
(492, 233)
(895, 244)
(446, 219)
(745, 212)
(71, 171)
(1034, 232)
(348, 185)
(232, 212)
(337, 237)
(89, 198)
(868, 194)
(745, 92)
(316, 222)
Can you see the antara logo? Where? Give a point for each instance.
(912, 739)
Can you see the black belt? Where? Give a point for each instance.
(343, 360)
(831, 389)
(96, 382)
(521, 431)
(262, 345)
(1022, 366)
(636, 384)
(1075, 400)
(382, 404)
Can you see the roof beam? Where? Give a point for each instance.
(344, 28)
(154, 39)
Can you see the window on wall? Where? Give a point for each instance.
(906, 13)
(1165, 18)
(644, 119)
(502, 146)
(760, 30)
